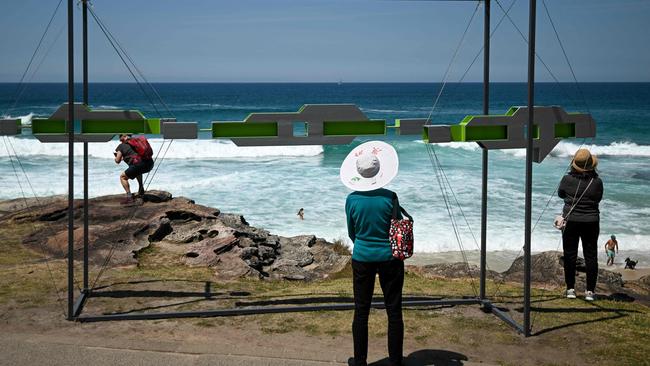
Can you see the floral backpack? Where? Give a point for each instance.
(400, 234)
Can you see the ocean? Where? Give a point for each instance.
(269, 185)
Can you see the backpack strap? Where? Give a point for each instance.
(575, 203)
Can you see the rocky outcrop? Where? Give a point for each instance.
(191, 234)
(10, 206)
(548, 268)
(640, 286)
(452, 270)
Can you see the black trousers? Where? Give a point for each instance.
(587, 232)
(391, 279)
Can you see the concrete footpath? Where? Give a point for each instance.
(28, 352)
(31, 349)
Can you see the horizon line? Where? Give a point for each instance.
(330, 82)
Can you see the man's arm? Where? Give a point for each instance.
(616, 246)
(118, 157)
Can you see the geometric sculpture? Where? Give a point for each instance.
(508, 131)
(321, 124)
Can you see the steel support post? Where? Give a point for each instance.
(503, 316)
(70, 160)
(486, 111)
(529, 163)
(85, 101)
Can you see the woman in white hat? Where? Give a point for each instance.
(366, 170)
(582, 191)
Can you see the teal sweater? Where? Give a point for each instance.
(368, 216)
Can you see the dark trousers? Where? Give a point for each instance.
(391, 279)
(587, 232)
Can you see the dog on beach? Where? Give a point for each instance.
(630, 264)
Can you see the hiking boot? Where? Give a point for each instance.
(140, 192)
(570, 293)
(127, 200)
(589, 296)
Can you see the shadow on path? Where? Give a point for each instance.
(425, 357)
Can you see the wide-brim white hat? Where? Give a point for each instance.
(371, 165)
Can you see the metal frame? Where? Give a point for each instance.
(338, 133)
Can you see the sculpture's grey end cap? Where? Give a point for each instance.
(411, 126)
(9, 127)
(438, 133)
(180, 130)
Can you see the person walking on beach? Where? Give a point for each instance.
(582, 191)
(366, 170)
(609, 249)
(137, 154)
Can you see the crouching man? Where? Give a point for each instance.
(137, 154)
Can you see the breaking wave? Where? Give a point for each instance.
(568, 149)
(195, 149)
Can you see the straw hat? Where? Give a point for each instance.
(369, 166)
(583, 161)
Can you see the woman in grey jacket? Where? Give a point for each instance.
(582, 191)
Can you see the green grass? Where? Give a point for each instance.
(340, 247)
(12, 252)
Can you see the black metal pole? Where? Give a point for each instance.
(70, 160)
(486, 111)
(85, 101)
(267, 310)
(529, 162)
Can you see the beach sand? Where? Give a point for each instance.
(632, 274)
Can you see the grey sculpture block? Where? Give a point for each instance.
(180, 130)
(438, 133)
(81, 112)
(411, 126)
(63, 138)
(9, 127)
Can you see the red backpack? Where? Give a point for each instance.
(141, 146)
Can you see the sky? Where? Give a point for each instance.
(328, 40)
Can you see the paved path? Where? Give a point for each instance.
(24, 352)
(31, 349)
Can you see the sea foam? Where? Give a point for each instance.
(179, 149)
(24, 120)
(568, 149)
